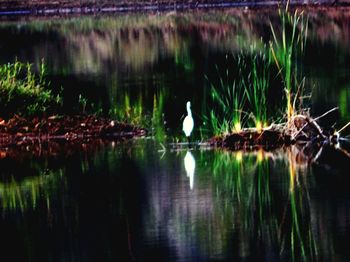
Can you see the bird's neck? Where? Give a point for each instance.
(189, 111)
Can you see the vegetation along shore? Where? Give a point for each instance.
(30, 112)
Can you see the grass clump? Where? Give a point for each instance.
(246, 92)
(228, 100)
(23, 92)
(128, 110)
(239, 96)
(133, 111)
(256, 88)
(287, 48)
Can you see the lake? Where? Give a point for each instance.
(154, 198)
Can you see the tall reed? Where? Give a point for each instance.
(241, 95)
(256, 88)
(158, 127)
(128, 110)
(228, 99)
(287, 48)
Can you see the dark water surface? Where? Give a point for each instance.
(135, 201)
(146, 199)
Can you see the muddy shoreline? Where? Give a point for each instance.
(64, 7)
(19, 131)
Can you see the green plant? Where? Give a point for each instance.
(245, 91)
(157, 117)
(256, 87)
(129, 111)
(228, 100)
(286, 49)
(82, 103)
(253, 76)
(24, 92)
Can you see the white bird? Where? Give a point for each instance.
(190, 166)
(187, 125)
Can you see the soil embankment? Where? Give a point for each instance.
(47, 7)
(24, 131)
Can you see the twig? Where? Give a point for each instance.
(313, 121)
(319, 152)
(341, 129)
(309, 121)
(345, 152)
(328, 112)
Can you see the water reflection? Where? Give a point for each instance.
(27, 193)
(190, 166)
(272, 203)
(245, 205)
(259, 202)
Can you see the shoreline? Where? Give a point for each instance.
(48, 8)
(18, 130)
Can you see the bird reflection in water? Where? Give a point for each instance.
(190, 165)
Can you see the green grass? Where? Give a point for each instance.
(240, 100)
(130, 111)
(228, 99)
(24, 92)
(256, 88)
(240, 96)
(133, 111)
(158, 128)
(287, 48)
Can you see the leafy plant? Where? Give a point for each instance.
(24, 92)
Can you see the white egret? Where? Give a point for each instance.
(187, 125)
(190, 166)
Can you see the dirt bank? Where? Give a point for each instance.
(48, 7)
(23, 131)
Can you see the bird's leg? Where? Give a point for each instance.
(189, 142)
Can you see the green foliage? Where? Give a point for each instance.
(158, 127)
(23, 92)
(228, 99)
(129, 111)
(256, 87)
(82, 103)
(242, 95)
(133, 111)
(287, 47)
(248, 88)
